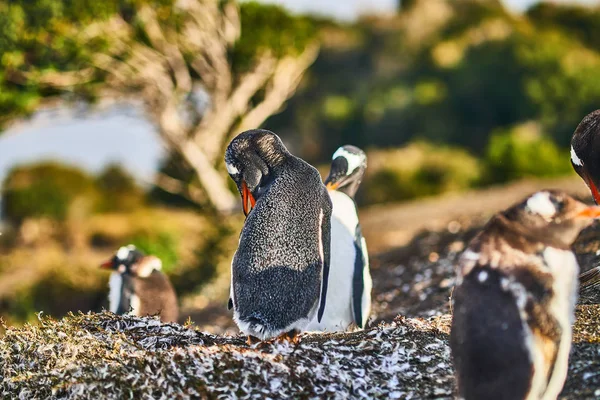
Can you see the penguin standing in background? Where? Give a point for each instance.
(514, 300)
(349, 292)
(137, 284)
(280, 269)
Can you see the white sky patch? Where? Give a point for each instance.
(354, 160)
(574, 158)
(232, 169)
(540, 204)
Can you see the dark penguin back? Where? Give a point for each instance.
(155, 294)
(488, 340)
(277, 267)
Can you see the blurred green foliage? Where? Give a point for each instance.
(270, 28)
(45, 190)
(451, 72)
(118, 190)
(523, 152)
(51, 190)
(161, 244)
(420, 169)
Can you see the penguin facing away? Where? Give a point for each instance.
(350, 284)
(514, 300)
(137, 284)
(279, 273)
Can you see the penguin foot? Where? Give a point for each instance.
(291, 336)
(252, 340)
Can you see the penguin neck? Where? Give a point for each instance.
(344, 210)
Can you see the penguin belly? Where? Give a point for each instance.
(338, 313)
(489, 341)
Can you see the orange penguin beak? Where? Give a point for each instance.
(107, 264)
(594, 190)
(589, 212)
(332, 185)
(247, 198)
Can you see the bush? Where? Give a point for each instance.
(46, 189)
(118, 190)
(160, 244)
(521, 152)
(419, 169)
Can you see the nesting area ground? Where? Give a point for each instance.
(403, 354)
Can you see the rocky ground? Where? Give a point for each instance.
(100, 355)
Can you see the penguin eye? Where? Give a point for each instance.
(558, 203)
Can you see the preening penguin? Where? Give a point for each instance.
(585, 159)
(137, 284)
(349, 292)
(280, 269)
(514, 300)
(585, 152)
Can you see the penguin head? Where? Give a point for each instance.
(130, 260)
(252, 158)
(585, 152)
(348, 166)
(552, 217)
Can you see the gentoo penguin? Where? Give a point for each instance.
(137, 284)
(585, 152)
(514, 300)
(280, 269)
(585, 159)
(349, 292)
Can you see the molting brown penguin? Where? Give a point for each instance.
(514, 300)
(349, 290)
(137, 284)
(280, 269)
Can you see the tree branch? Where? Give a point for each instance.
(177, 187)
(216, 125)
(172, 53)
(285, 80)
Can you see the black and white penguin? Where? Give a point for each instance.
(585, 159)
(280, 269)
(514, 300)
(137, 284)
(350, 284)
(585, 152)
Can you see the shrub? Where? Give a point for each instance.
(523, 151)
(46, 189)
(419, 169)
(118, 190)
(161, 244)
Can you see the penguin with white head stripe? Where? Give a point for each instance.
(514, 300)
(137, 285)
(279, 273)
(349, 294)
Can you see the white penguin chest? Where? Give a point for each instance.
(344, 210)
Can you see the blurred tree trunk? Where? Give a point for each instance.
(182, 70)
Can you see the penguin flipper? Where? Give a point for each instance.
(326, 243)
(361, 262)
